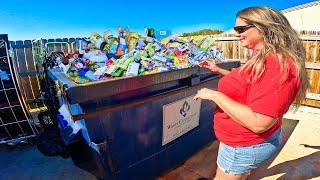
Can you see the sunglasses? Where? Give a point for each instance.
(242, 29)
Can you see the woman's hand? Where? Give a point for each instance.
(209, 65)
(204, 93)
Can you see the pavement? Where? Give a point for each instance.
(299, 157)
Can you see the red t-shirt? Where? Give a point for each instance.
(265, 96)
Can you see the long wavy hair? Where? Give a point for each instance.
(280, 38)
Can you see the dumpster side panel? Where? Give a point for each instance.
(134, 136)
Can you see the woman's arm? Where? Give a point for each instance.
(223, 71)
(240, 113)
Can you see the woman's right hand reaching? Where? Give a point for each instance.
(213, 67)
(209, 65)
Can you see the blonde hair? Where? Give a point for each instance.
(280, 38)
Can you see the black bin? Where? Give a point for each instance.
(126, 122)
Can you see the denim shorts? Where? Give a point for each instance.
(240, 160)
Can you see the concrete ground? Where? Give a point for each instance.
(26, 162)
(299, 157)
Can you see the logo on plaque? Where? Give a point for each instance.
(184, 109)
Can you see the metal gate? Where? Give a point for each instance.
(16, 124)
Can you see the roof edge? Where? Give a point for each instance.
(302, 6)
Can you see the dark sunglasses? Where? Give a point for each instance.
(242, 29)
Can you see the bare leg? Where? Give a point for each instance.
(221, 175)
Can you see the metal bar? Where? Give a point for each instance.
(17, 122)
(10, 107)
(1, 118)
(6, 89)
(16, 139)
(6, 129)
(14, 115)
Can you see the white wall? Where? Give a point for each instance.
(305, 19)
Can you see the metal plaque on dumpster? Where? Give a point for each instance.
(179, 118)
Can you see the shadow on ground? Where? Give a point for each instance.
(26, 162)
(306, 167)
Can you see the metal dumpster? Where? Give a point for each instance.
(138, 127)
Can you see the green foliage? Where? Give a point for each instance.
(203, 32)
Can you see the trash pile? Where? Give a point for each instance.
(130, 54)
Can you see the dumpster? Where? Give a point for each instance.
(137, 127)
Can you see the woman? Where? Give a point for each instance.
(252, 99)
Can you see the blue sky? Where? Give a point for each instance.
(64, 18)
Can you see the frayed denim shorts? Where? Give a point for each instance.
(240, 160)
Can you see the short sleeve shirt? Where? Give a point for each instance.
(269, 95)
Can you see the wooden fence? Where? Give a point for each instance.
(27, 56)
(27, 59)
